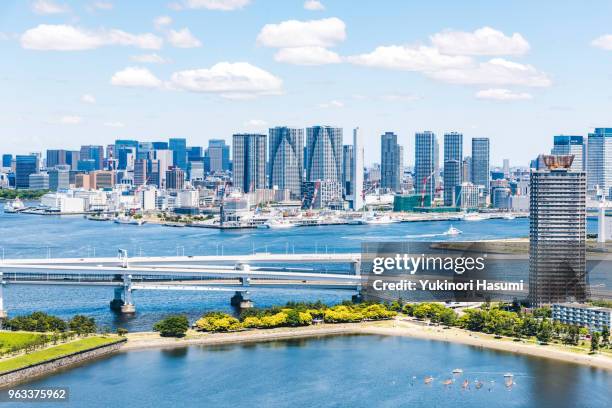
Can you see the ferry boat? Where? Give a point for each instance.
(276, 224)
(14, 206)
(129, 220)
(453, 231)
(98, 217)
(473, 217)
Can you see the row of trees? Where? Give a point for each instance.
(291, 315)
(43, 323)
(500, 322)
(37, 342)
(10, 194)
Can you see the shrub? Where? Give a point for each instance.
(172, 326)
(217, 322)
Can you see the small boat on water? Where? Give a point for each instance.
(129, 220)
(385, 219)
(465, 385)
(428, 379)
(276, 224)
(473, 217)
(98, 217)
(479, 384)
(509, 216)
(508, 375)
(14, 206)
(447, 382)
(457, 371)
(453, 231)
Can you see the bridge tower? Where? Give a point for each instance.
(3, 314)
(123, 301)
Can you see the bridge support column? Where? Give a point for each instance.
(117, 301)
(356, 270)
(241, 300)
(128, 303)
(3, 314)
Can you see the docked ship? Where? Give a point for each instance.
(14, 206)
(128, 220)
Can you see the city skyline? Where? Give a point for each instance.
(94, 71)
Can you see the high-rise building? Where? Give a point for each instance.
(38, 181)
(480, 162)
(573, 145)
(286, 167)
(175, 179)
(426, 164)
(56, 157)
(468, 195)
(249, 172)
(347, 169)
(218, 154)
(557, 233)
(324, 153)
(357, 171)
(453, 158)
(72, 159)
(140, 172)
(195, 153)
(95, 153)
(24, 166)
(466, 169)
(7, 160)
(59, 179)
(599, 160)
(506, 168)
(164, 160)
(391, 162)
(179, 152)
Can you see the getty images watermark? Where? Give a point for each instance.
(438, 271)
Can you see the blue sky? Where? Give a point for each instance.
(80, 72)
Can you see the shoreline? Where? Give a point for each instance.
(402, 328)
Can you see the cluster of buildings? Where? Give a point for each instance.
(313, 167)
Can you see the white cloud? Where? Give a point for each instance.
(313, 5)
(149, 59)
(604, 42)
(70, 120)
(293, 33)
(409, 58)
(63, 37)
(230, 80)
(183, 39)
(49, 7)
(331, 104)
(496, 71)
(103, 5)
(484, 41)
(162, 21)
(223, 5)
(255, 123)
(135, 77)
(500, 94)
(88, 98)
(114, 124)
(307, 56)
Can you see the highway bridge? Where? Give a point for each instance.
(239, 274)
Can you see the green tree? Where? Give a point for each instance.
(605, 335)
(82, 325)
(121, 331)
(172, 326)
(545, 332)
(595, 337)
(572, 335)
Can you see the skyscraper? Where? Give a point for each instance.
(286, 166)
(179, 152)
(7, 160)
(599, 160)
(58, 179)
(175, 178)
(218, 154)
(249, 173)
(506, 168)
(56, 157)
(140, 172)
(24, 166)
(95, 153)
(480, 162)
(124, 147)
(324, 153)
(557, 233)
(357, 173)
(426, 163)
(453, 159)
(391, 162)
(573, 145)
(347, 169)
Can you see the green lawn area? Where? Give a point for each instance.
(55, 351)
(19, 339)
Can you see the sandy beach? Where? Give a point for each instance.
(398, 327)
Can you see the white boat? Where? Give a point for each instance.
(385, 219)
(508, 375)
(509, 216)
(473, 217)
(129, 221)
(277, 224)
(457, 371)
(14, 206)
(453, 231)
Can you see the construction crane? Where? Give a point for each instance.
(425, 180)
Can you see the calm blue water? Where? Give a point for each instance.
(347, 371)
(30, 236)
